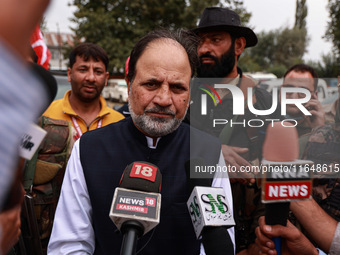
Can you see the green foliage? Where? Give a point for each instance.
(42, 24)
(333, 25)
(276, 50)
(248, 64)
(328, 67)
(278, 70)
(264, 52)
(279, 49)
(291, 46)
(300, 14)
(117, 25)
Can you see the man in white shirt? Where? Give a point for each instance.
(160, 69)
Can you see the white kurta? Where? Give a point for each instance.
(72, 231)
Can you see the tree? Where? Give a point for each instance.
(280, 48)
(275, 50)
(264, 52)
(300, 14)
(117, 25)
(290, 46)
(328, 67)
(333, 26)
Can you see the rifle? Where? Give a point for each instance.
(29, 227)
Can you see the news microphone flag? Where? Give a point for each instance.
(287, 178)
(208, 207)
(142, 176)
(143, 207)
(216, 240)
(137, 198)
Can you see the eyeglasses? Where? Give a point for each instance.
(298, 93)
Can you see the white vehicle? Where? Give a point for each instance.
(332, 85)
(260, 76)
(322, 90)
(116, 90)
(270, 84)
(62, 83)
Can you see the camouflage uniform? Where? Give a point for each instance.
(323, 147)
(43, 176)
(330, 111)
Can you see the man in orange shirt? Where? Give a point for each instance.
(83, 105)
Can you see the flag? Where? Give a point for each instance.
(40, 48)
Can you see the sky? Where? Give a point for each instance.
(266, 15)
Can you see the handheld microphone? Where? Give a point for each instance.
(210, 213)
(31, 140)
(287, 178)
(135, 208)
(29, 144)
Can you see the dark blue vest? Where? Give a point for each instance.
(104, 154)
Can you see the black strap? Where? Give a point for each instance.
(227, 131)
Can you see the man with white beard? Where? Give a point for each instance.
(160, 69)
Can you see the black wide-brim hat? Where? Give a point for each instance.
(222, 19)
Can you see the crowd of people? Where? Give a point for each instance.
(162, 124)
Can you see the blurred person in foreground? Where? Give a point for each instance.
(83, 105)
(160, 70)
(223, 40)
(22, 98)
(48, 163)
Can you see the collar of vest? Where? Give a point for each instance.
(141, 137)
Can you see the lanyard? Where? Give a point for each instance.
(78, 129)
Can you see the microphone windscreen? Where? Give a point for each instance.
(277, 213)
(49, 82)
(217, 241)
(142, 176)
(281, 142)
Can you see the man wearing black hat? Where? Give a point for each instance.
(223, 40)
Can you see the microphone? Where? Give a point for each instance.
(287, 178)
(135, 208)
(31, 140)
(29, 144)
(210, 213)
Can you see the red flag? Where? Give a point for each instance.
(40, 48)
